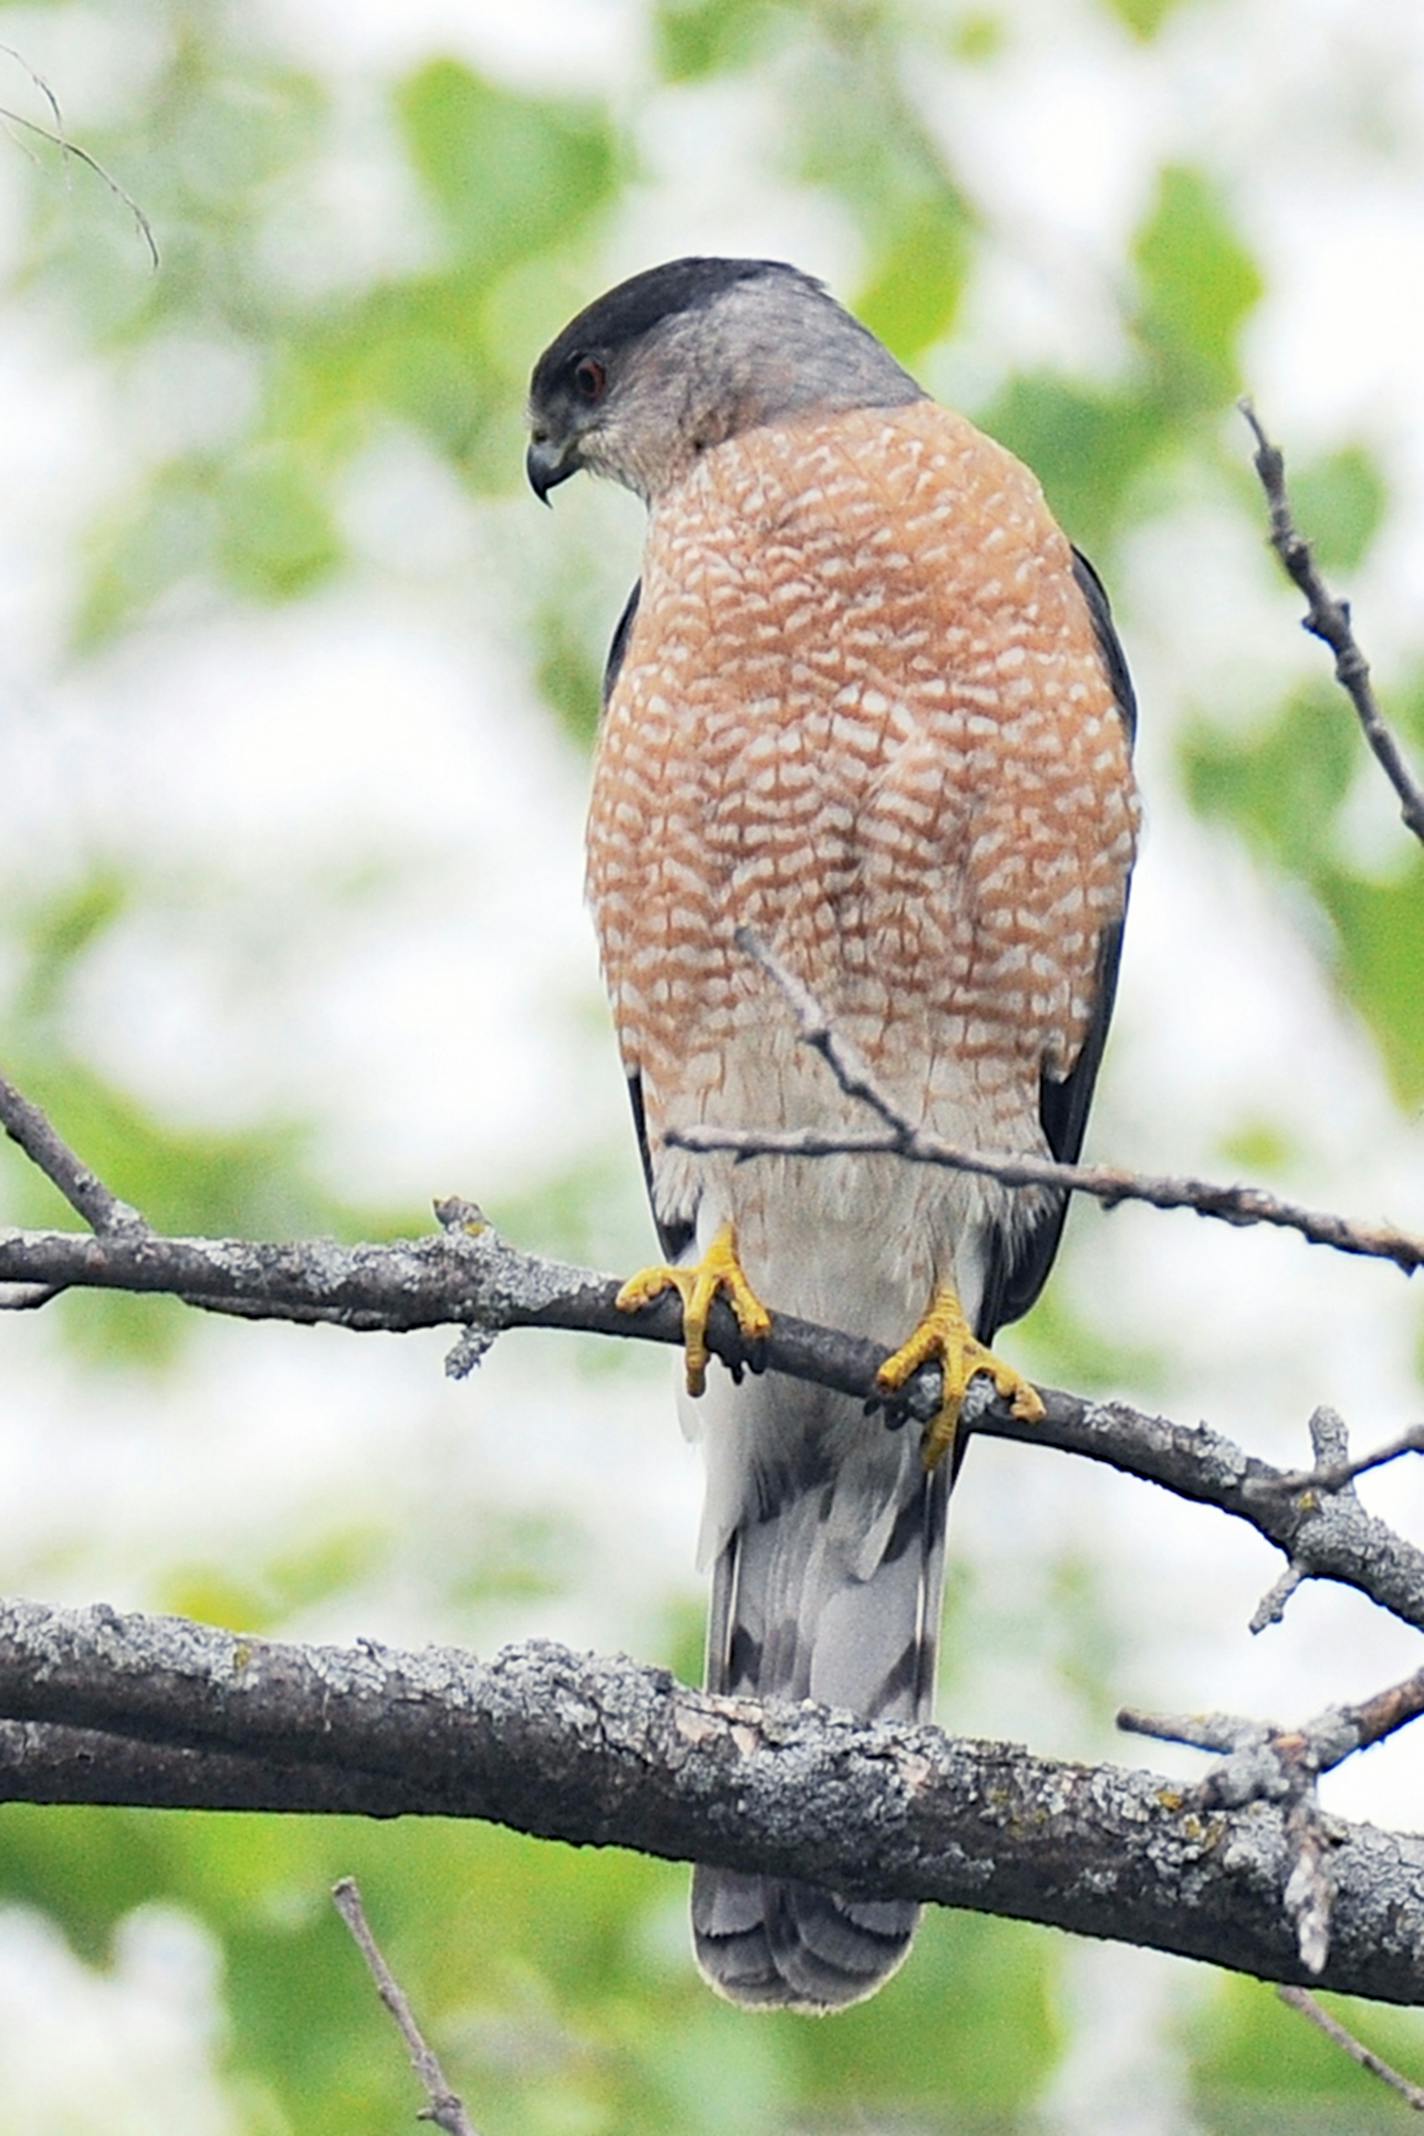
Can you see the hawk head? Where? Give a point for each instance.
(687, 355)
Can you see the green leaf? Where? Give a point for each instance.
(695, 38)
(1285, 789)
(510, 175)
(1199, 284)
(1259, 1149)
(977, 39)
(276, 537)
(1380, 927)
(1144, 18)
(915, 291)
(1338, 503)
(569, 670)
(997, 1975)
(154, 540)
(1284, 786)
(1088, 445)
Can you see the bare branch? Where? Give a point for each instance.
(446, 2109)
(42, 1143)
(480, 1281)
(1318, 1746)
(1271, 1608)
(815, 1029)
(1283, 1765)
(1109, 1184)
(602, 1752)
(1334, 1475)
(1329, 619)
(1302, 2000)
(1372, 1719)
(60, 140)
(44, 89)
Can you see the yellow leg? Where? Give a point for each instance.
(718, 1274)
(944, 1334)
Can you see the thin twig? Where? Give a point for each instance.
(815, 1029)
(1334, 1475)
(1107, 1183)
(67, 147)
(1318, 1746)
(1370, 1720)
(1302, 2000)
(1328, 618)
(45, 91)
(446, 2109)
(42, 1143)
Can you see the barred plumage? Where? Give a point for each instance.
(868, 703)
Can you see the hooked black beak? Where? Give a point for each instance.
(547, 465)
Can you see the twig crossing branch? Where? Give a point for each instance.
(1283, 1765)
(901, 1136)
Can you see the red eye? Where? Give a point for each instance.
(589, 378)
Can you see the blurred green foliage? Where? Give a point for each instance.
(558, 1983)
(1286, 790)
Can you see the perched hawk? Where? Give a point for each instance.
(866, 701)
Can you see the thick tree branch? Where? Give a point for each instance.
(901, 1136)
(473, 1279)
(603, 1752)
(1329, 620)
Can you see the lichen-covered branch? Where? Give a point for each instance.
(471, 1278)
(1283, 1766)
(603, 1752)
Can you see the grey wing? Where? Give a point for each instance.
(1015, 1277)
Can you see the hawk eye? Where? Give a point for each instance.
(590, 379)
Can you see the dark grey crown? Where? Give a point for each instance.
(628, 312)
(690, 354)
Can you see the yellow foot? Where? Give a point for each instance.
(718, 1274)
(945, 1335)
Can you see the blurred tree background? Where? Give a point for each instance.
(296, 694)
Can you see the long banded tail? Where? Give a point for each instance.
(831, 1591)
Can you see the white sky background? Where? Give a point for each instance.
(445, 1026)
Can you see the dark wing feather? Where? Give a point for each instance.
(675, 1238)
(612, 666)
(1015, 1278)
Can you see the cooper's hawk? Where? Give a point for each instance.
(868, 702)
